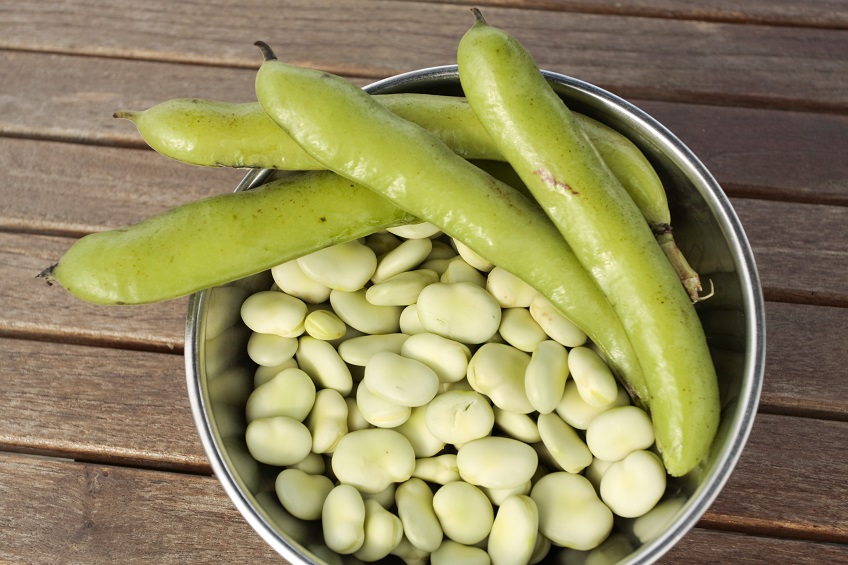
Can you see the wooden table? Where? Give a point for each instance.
(99, 458)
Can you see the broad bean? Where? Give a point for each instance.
(343, 519)
(302, 494)
(606, 231)
(465, 513)
(415, 509)
(514, 531)
(373, 459)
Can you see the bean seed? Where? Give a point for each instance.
(461, 311)
(270, 350)
(383, 531)
(343, 519)
(399, 380)
(372, 459)
(272, 312)
(379, 412)
(458, 416)
(359, 350)
(453, 553)
(577, 414)
(441, 469)
(570, 513)
(324, 325)
(290, 393)
(401, 289)
(415, 509)
(616, 432)
(344, 266)
(509, 290)
(634, 485)
(320, 360)
(447, 357)
(419, 230)
(415, 429)
(327, 422)
(546, 375)
(472, 257)
(514, 531)
(497, 370)
(458, 270)
(555, 324)
(518, 426)
(465, 513)
(278, 441)
(563, 443)
(496, 462)
(302, 494)
(519, 329)
(404, 257)
(595, 381)
(291, 279)
(357, 312)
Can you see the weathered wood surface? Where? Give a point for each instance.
(99, 458)
(662, 58)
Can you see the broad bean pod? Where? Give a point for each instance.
(606, 231)
(216, 240)
(410, 166)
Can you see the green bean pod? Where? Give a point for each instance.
(541, 139)
(220, 239)
(211, 133)
(410, 166)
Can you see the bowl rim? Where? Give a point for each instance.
(745, 267)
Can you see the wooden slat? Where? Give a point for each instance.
(62, 512)
(789, 456)
(70, 189)
(32, 309)
(639, 57)
(58, 511)
(792, 156)
(97, 404)
(757, 153)
(804, 361)
(817, 13)
(799, 248)
(708, 547)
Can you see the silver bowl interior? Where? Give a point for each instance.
(220, 376)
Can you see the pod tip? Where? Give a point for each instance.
(267, 52)
(478, 15)
(47, 274)
(125, 114)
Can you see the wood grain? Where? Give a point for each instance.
(70, 189)
(785, 239)
(789, 456)
(32, 309)
(667, 59)
(708, 547)
(97, 404)
(61, 511)
(830, 14)
(811, 383)
(64, 512)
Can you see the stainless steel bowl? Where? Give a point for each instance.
(220, 375)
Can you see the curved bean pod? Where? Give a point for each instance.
(606, 231)
(220, 239)
(411, 167)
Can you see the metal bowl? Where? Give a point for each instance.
(220, 375)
